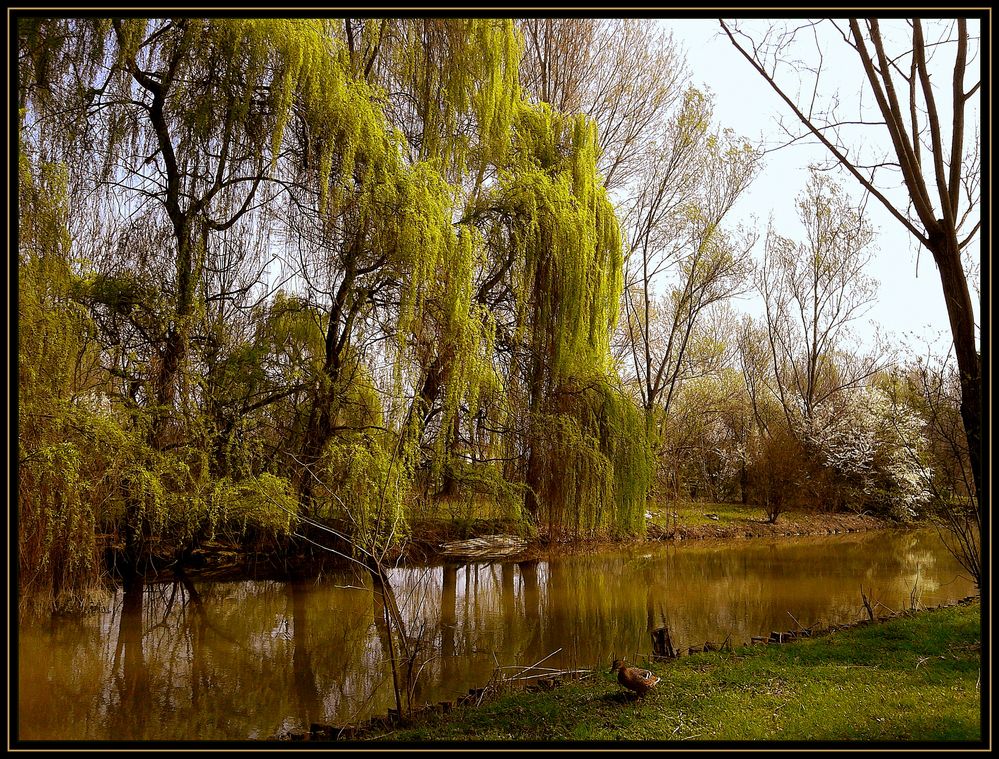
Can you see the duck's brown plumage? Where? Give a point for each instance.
(632, 678)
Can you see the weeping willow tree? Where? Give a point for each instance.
(374, 246)
(318, 270)
(586, 461)
(381, 251)
(175, 131)
(459, 79)
(57, 551)
(85, 465)
(398, 258)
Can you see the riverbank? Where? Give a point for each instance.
(914, 677)
(697, 521)
(674, 522)
(428, 539)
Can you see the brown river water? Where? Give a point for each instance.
(256, 659)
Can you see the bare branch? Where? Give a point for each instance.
(867, 184)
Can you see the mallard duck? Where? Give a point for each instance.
(633, 678)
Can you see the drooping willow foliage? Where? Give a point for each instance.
(587, 457)
(462, 81)
(567, 242)
(285, 268)
(592, 462)
(58, 523)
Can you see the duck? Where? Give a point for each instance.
(633, 678)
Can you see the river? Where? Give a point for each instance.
(254, 659)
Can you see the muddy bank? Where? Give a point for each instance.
(426, 549)
(427, 543)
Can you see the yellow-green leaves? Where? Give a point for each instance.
(570, 244)
(328, 260)
(264, 502)
(589, 460)
(462, 80)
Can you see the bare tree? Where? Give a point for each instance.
(932, 386)
(681, 259)
(755, 361)
(928, 146)
(625, 74)
(812, 291)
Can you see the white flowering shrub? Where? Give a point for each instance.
(873, 450)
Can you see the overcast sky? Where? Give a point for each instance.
(910, 307)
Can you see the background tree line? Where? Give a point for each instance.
(287, 282)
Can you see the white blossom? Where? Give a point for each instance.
(874, 447)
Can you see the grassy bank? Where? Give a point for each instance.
(686, 520)
(913, 678)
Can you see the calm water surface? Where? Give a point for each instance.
(260, 658)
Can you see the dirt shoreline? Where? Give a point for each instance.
(224, 562)
(425, 551)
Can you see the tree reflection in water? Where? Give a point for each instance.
(131, 676)
(253, 659)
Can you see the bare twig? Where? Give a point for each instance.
(796, 621)
(535, 665)
(867, 603)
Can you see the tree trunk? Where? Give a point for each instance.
(744, 483)
(962, 323)
(535, 463)
(436, 377)
(317, 434)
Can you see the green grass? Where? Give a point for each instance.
(695, 513)
(909, 679)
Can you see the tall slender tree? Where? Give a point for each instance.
(813, 292)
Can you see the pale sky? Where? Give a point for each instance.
(907, 303)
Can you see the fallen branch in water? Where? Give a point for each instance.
(485, 547)
(867, 603)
